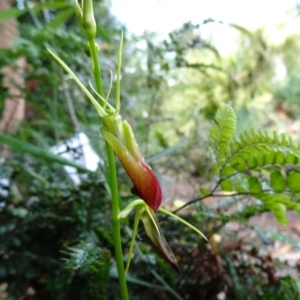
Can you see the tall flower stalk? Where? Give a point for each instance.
(89, 24)
(120, 140)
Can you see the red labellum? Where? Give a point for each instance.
(146, 185)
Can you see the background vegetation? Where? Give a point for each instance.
(56, 240)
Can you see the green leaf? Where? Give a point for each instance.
(228, 171)
(226, 127)
(226, 185)
(260, 159)
(51, 5)
(279, 211)
(60, 18)
(252, 163)
(239, 164)
(254, 185)
(270, 158)
(271, 199)
(205, 191)
(291, 159)
(277, 181)
(280, 158)
(259, 149)
(11, 13)
(24, 147)
(293, 181)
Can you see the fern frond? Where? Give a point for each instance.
(259, 149)
(224, 130)
(86, 255)
(262, 165)
(95, 259)
(278, 203)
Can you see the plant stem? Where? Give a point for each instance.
(113, 183)
(96, 68)
(116, 222)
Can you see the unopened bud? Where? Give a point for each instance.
(89, 23)
(87, 48)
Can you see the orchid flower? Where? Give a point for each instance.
(119, 135)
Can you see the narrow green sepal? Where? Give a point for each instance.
(97, 106)
(154, 232)
(127, 210)
(130, 142)
(118, 81)
(134, 233)
(111, 110)
(78, 12)
(113, 125)
(115, 143)
(182, 221)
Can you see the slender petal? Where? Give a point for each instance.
(154, 232)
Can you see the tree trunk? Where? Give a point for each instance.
(14, 104)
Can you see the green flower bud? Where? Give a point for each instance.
(87, 48)
(89, 23)
(119, 136)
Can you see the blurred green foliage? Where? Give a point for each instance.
(56, 240)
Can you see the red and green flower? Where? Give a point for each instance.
(119, 135)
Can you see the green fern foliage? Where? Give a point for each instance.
(289, 289)
(94, 259)
(85, 255)
(258, 149)
(262, 165)
(277, 181)
(224, 131)
(293, 181)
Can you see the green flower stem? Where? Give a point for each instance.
(112, 182)
(96, 69)
(116, 222)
